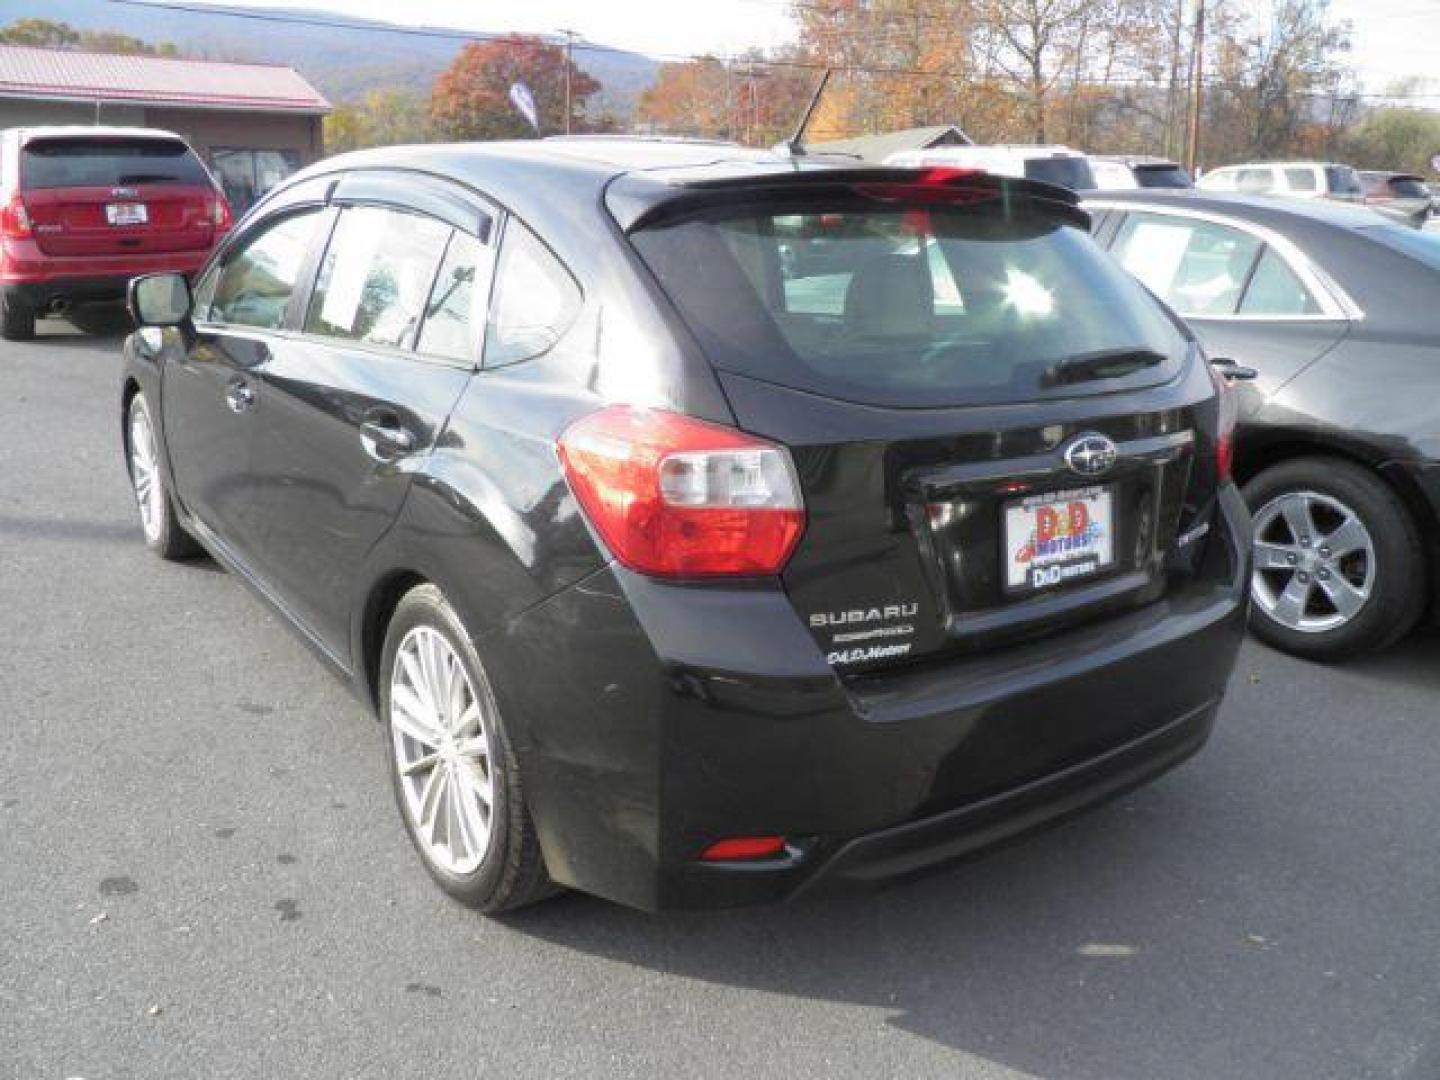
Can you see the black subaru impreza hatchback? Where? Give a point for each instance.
(704, 523)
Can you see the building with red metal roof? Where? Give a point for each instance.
(255, 123)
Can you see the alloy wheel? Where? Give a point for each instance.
(441, 735)
(1314, 562)
(145, 472)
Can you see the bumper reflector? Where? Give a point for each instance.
(740, 848)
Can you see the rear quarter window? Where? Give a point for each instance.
(536, 299)
(62, 163)
(911, 308)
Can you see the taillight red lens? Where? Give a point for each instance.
(14, 219)
(674, 496)
(741, 848)
(1228, 412)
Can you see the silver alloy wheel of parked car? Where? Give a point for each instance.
(442, 750)
(1314, 561)
(145, 471)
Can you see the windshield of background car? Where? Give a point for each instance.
(1069, 172)
(1162, 176)
(910, 308)
(64, 163)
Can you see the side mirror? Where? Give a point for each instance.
(160, 300)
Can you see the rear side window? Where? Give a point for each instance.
(1342, 180)
(1069, 172)
(1197, 267)
(536, 299)
(254, 286)
(913, 308)
(62, 163)
(1301, 180)
(376, 276)
(456, 309)
(1275, 290)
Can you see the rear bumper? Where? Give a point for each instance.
(652, 720)
(34, 279)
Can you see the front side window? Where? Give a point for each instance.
(253, 286)
(536, 299)
(1197, 267)
(376, 276)
(456, 309)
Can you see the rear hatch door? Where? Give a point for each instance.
(997, 431)
(115, 196)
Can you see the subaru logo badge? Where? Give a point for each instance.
(1091, 454)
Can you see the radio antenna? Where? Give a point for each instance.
(796, 143)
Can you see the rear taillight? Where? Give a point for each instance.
(14, 219)
(1227, 411)
(220, 215)
(674, 496)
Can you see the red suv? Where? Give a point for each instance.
(85, 209)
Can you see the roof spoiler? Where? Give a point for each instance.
(644, 199)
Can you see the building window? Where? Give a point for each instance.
(248, 174)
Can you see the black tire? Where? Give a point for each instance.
(511, 873)
(166, 538)
(1397, 592)
(17, 322)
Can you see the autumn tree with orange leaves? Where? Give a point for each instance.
(471, 98)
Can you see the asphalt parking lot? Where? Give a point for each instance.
(202, 874)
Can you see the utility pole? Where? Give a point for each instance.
(570, 36)
(1197, 88)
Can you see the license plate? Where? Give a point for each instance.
(126, 213)
(1059, 537)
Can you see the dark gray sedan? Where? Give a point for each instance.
(1337, 310)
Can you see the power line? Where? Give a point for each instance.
(798, 64)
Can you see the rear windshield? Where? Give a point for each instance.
(1408, 187)
(910, 308)
(1070, 172)
(60, 163)
(1162, 176)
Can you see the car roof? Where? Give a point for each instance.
(1265, 209)
(1280, 165)
(1137, 160)
(543, 180)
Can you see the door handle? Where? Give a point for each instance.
(1231, 370)
(239, 395)
(384, 436)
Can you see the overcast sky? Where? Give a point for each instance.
(1393, 38)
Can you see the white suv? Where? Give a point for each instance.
(1297, 179)
(1052, 164)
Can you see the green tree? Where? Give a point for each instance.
(48, 34)
(384, 118)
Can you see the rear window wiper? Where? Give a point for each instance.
(1103, 364)
(147, 178)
